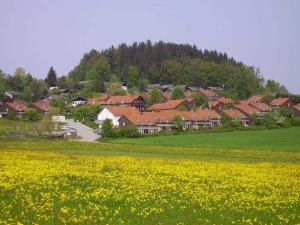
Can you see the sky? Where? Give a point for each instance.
(37, 34)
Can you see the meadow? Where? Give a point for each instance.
(89, 183)
(276, 139)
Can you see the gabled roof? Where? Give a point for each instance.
(279, 101)
(97, 101)
(225, 100)
(263, 107)
(79, 98)
(166, 95)
(16, 106)
(247, 109)
(297, 107)
(122, 110)
(169, 105)
(233, 113)
(42, 106)
(256, 98)
(207, 93)
(126, 99)
(243, 102)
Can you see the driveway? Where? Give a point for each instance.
(84, 132)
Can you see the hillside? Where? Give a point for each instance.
(142, 63)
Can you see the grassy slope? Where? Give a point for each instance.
(277, 139)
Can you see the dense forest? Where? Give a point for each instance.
(142, 63)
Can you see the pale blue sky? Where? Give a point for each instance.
(37, 34)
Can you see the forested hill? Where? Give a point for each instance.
(145, 62)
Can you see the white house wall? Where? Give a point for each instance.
(106, 114)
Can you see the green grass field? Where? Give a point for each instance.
(277, 139)
(61, 182)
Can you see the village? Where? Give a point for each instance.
(130, 110)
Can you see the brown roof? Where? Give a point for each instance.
(225, 100)
(166, 116)
(233, 113)
(263, 107)
(42, 106)
(16, 106)
(247, 109)
(297, 107)
(188, 94)
(97, 101)
(126, 99)
(207, 93)
(279, 101)
(122, 110)
(243, 102)
(256, 98)
(166, 95)
(169, 105)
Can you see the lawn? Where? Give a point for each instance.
(92, 183)
(277, 139)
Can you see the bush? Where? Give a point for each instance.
(32, 115)
(295, 122)
(268, 121)
(130, 132)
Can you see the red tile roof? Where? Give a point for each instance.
(279, 101)
(169, 105)
(42, 106)
(207, 93)
(122, 110)
(233, 113)
(16, 106)
(167, 116)
(263, 107)
(225, 100)
(166, 95)
(247, 109)
(256, 98)
(126, 99)
(297, 107)
(97, 101)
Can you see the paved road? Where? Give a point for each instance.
(84, 132)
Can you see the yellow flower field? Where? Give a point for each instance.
(56, 188)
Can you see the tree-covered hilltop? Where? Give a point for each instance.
(169, 63)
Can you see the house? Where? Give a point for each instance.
(12, 94)
(262, 107)
(171, 105)
(296, 110)
(114, 113)
(236, 114)
(219, 103)
(124, 86)
(17, 108)
(216, 89)
(247, 110)
(255, 98)
(59, 119)
(166, 87)
(209, 94)
(127, 100)
(78, 101)
(98, 100)
(281, 102)
(3, 111)
(42, 106)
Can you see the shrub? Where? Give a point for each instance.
(177, 123)
(130, 132)
(268, 121)
(32, 115)
(295, 122)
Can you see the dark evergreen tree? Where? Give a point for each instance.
(51, 77)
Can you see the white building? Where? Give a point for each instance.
(114, 113)
(78, 101)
